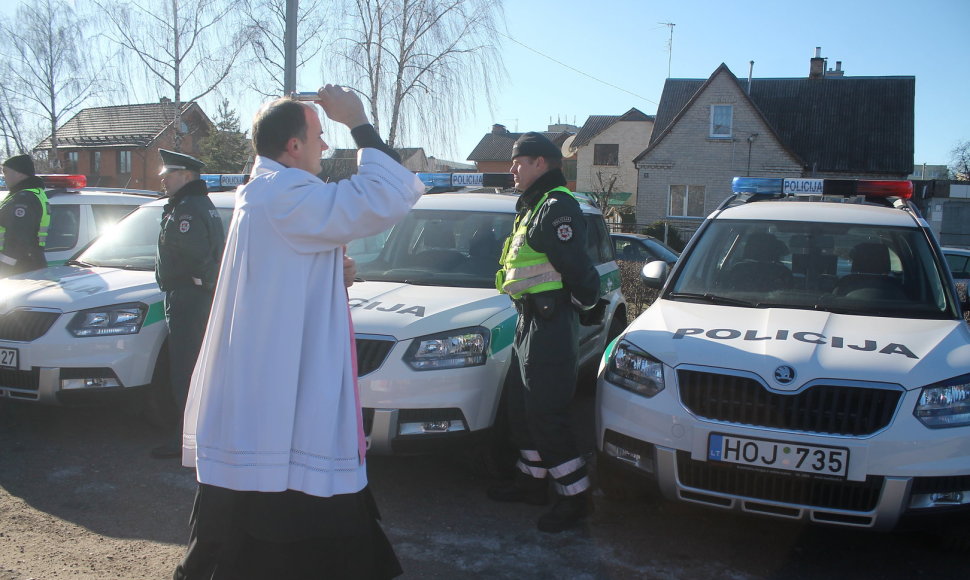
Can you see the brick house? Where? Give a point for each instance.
(605, 147)
(493, 154)
(708, 131)
(118, 146)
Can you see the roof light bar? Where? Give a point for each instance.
(65, 181)
(223, 181)
(466, 179)
(829, 187)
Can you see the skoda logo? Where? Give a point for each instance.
(784, 374)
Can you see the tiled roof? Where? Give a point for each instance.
(596, 124)
(498, 146)
(119, 125)
(841, 124)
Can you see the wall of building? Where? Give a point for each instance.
(688, 156)
(632, 137)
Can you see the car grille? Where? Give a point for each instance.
(818, 409)
(371, 353)
(24, 380)
(25, 325)
(787, 488)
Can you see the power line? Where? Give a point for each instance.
(574, 69)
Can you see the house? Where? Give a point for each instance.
(342, 163)
(605, 147)
(493, 154)
(118, 146)
(708, 131)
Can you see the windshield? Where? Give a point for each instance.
(845, 268)
(130, 244)
(435, 248)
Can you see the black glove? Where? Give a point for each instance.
(594, 316)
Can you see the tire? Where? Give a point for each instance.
(159, 408)
(494, 456)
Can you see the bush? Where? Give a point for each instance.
(638, 295)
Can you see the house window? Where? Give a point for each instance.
(95, 163)
(722, 119)
(606, 154)
(686, 201)
(71, 165)
(124, 162)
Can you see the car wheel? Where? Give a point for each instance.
(159, 407)
(494, 456)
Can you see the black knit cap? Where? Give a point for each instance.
(535, 145)
(21, 164)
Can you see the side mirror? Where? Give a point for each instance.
(654, 274)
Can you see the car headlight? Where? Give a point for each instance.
(946, 405)
(465, 347)
(111, 320)
(634, 370)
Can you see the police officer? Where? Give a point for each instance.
(186, 267)
(552, 281)
(24, 218)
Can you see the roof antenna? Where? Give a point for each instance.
(670, 44)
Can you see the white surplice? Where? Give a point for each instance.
(272, 403)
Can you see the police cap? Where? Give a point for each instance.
(173, 161)
(535, 145)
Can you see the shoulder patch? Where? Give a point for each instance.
(564, 232)
(185, 226)
(563, 219)
(20, 211)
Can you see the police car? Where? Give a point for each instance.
(806, 359)
(434, 337)
(94, 326)
(80, 213)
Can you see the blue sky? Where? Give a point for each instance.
(613, 55)
(622, 43)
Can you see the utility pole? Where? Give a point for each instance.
(289, 47)
(670, 44)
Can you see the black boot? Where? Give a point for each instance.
(568, 511)
(523, 489)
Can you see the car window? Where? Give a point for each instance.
(132, 243)
(599, 247)
(852, 268)
(108, 215)
(659, 251)
(436, 248)
(959, 265)
(64, 227)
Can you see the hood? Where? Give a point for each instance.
(405, 311)
(73, 288)
(816, 345)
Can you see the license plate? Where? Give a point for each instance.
(8, 358)
(815, 459)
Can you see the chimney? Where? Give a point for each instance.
(499, 129)
(750, 74)
(816, 68)
(838, 72)
(164, 100)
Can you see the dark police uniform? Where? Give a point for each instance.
(22, 214)
(547, 346)
(190, 247)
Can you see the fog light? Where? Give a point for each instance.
(940, 499)
(89, 383)
(630, 457)
(429, 427)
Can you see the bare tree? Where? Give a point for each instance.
(47, 65)
(182, 46)
(960, 161)
(266, 21)
(420, 63)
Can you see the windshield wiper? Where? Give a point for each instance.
(77, 263)
(713, 299)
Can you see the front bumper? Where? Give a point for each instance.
(901, 472)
